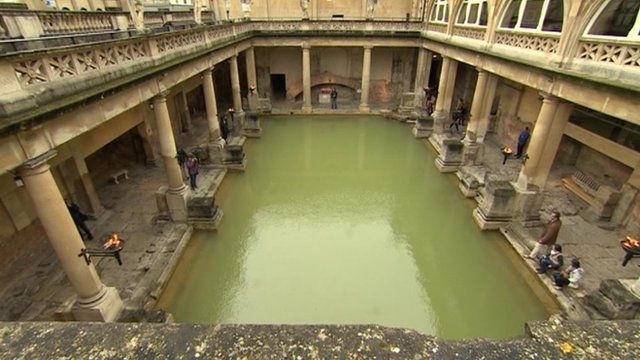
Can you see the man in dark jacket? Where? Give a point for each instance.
(79, 218)
(548, 236)
(523, 138)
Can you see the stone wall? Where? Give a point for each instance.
(603, 168)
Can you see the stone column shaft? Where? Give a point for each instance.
(552, 143)
(60, 228)
(235, 85)
(250, 58)
(167, 144)
(185, 110)
(366, 75)
(538, 139)
(445, 92)
(422, 75)
(306, 79)
(485, 114)
(477, 104)
(210, 104)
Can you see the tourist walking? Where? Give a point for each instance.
(523, 138)
(552, 261)
(334, 98)
(570, 277)
(192, 167)
(79, 218)
(548, 237)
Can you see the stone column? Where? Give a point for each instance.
(476, 106)
(445, 92)
(95, 301)
(235, 84)
(216, 142)
(87, 184)
(366, 74)
(485, 114)
(552, 143)
(252, 79)
(306, 79)
(423, 71)
(537, 143)
(186, 114)
(177, 193)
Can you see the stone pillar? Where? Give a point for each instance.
(366, 74)
(186, 114)
(485, 114)
(238, 117)
(537, 143)
(216, 142)
(423, 71)
(552, 143)
(445, 93)
(471, 147)
(95, 206)
(95, 302)
(252, 79)
(177, 194)
(306, 79)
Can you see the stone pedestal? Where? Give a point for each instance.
(469, 184)
(472, 153)
(161, 203)
(615, 299)
(496, 204)
(106, 308)
(177, 203)
(204, 213)
(423, 127)
(215, 149)
(234, 157)
(450, 156)
(527, 205)
(251, 126)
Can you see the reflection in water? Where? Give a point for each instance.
(355, 226)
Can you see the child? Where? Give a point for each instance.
(552, 261)
(570, 277)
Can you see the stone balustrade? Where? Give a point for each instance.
(610, 51)
(42, 70)
(471, 32)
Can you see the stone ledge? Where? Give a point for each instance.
(543, 340)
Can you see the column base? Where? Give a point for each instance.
(450, 157)
(469, 184)
(234, 156)
(423, 127)
(364, 108)
(306, 109)
(495, 208)
(485, 222)
(439, 119)
(252, 127)
(527, 205)
(177, 203)
(106, 308)
(215, 149)
(472, 153)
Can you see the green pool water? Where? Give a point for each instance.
(345, 220)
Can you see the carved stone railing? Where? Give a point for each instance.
(33, 24)
(153, 19)
(609, 52)
(441, 28)
(337, 26)
(476, 33)
(547, 43)
(48, 68)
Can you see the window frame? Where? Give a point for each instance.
(436, 5)
(633, 35)
(518, 26)
(469, 3)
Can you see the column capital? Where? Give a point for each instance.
(37, 165)
(548, 98)
(161, 97)
(305, 46)
(233, 57)
(208, 70)
(481, 70)
(368, 47)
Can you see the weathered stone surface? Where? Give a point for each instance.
(545, 340)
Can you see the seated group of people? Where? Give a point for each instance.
(554, 261)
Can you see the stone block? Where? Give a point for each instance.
(161, 203)
(495, 208)
(234, 156)
(614, 300)
(106, 309)
(423, 127)
(450, 156)
(469, 185)
(251, 126)
(177, 203)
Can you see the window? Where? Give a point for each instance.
(617, 18)
(534, 15)
(473, 12)
(440, 11)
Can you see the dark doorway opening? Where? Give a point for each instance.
(278, 86)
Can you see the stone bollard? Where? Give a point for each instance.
(424, 125)
(450, 156)
(251, 126)
(495, 208)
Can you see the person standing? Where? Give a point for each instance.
(548, 237)
(334, 98)
(192, 167)
(523, 138)
(79, 218)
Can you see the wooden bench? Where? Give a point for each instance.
(118, 174)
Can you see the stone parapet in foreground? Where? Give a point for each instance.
(551, 339)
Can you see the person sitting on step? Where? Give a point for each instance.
(552, 261)
(571, 276)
